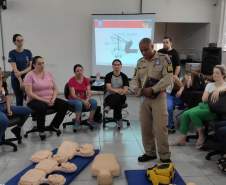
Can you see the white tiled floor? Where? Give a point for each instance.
(126, 145)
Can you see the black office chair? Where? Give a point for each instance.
(47, 128)
(107, 120)
(14, 120)
(220, 109)
(71, 111)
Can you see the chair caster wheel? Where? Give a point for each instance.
(14, 149)
(74, 130)
(25, 135)
(128, 124)
(58, 134)
(208, 158)
(42, 137)
(19, 141)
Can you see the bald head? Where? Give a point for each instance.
(146, 48)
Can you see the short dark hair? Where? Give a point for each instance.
(116, 60)
(15, 36)
(34, 60)
(145, 41)
(76, 66)
(167, 37)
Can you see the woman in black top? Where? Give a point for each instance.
(117, 84)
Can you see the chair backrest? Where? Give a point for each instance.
(218, 107)
(66, 91)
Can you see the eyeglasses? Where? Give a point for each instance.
(116, 64)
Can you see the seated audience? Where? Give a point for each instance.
(80, 95)
(7, 111)
(117, 84)
(42, 95)
(200, 113)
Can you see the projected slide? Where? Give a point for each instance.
(118, 36)
(119, 39)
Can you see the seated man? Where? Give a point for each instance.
(117, 84)
(80, 95)
(6, 111)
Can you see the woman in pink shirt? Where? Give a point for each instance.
(42, 94)
(80, 95)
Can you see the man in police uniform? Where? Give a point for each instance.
(153, 111)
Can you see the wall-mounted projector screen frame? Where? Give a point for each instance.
(117, 36)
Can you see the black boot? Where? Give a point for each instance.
(145, 158)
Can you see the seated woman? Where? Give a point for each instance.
(42, 95)
(7, 110)
(200, 113)
(80, 95)
(117, 84)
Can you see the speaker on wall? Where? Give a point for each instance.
(211, 56)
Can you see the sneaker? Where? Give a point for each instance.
(165, 160)
(145, 158)
(119, 124)
(107, 109)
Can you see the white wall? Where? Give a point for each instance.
(188, 38)
(60, 30)
(193, 11)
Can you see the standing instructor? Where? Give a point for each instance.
(153, 74)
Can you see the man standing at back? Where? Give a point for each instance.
(172, 99)
(153, 75)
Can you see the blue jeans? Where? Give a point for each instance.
(22, 112)
(78, 105)
(172, 101)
